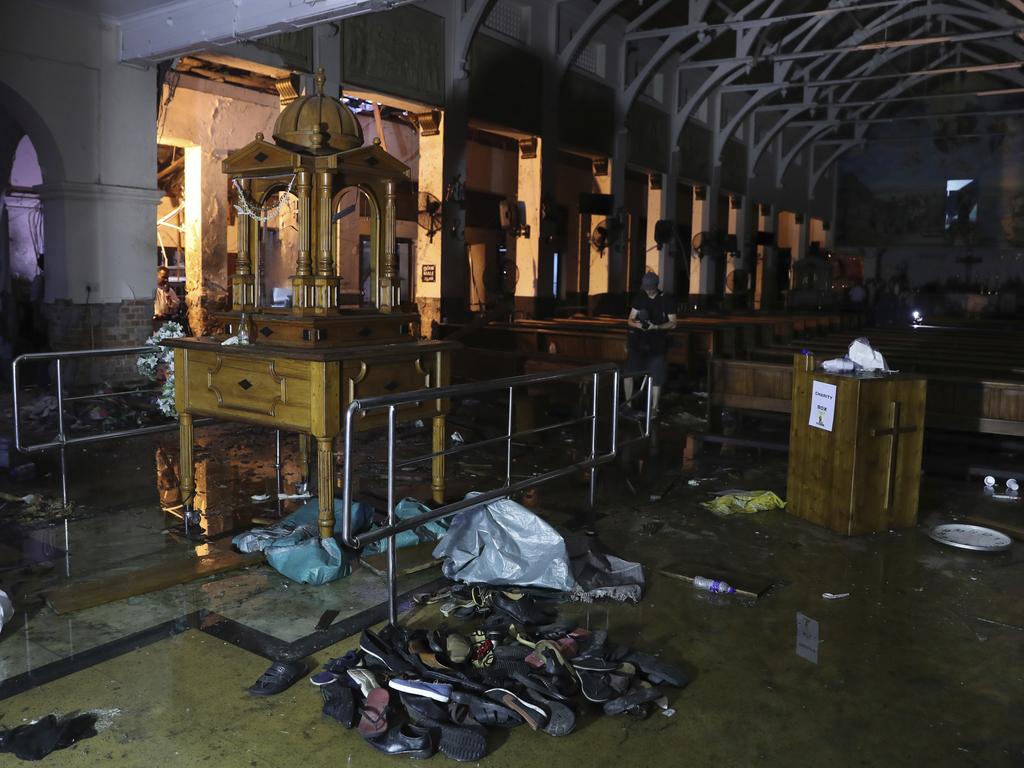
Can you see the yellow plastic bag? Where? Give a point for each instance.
(745, 502)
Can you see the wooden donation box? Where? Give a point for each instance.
(304, 363)
(855, 449)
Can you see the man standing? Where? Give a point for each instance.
(166, 301)
(653, 315)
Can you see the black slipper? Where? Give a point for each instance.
(656, 670)
(632, 698)
(485, 711)
(545, 686)
(561, 718)
(595, 686)
(339, 703)
(279, 676)
(461, 743)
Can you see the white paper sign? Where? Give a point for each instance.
(823, 405)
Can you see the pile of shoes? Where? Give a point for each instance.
(414, 692)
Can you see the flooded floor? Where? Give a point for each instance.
(920, 665)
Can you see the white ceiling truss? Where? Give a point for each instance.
(966, 36)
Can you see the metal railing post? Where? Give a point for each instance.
(508, 441)
(277, 467)
(390, 403)
(61, 437)
(593, 437)
(392, 554)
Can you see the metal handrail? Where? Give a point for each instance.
(392, 402)
(61, 441)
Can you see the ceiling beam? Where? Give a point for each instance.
(905, 118)
(187, 26)
(782, 86)
(872, 102)
(763, 21)
(862, 47)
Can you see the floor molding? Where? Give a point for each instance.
(214, 624)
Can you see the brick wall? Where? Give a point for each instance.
(99, 326)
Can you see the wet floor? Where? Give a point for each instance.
(921, 664)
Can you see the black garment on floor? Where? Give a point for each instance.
(36, 740)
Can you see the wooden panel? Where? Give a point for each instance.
(370, 378)
(888, 460)
(270, 391)
(858, 478)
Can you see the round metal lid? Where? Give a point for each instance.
(973, 537)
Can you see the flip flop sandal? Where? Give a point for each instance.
(483, 711)
(374, 718)
(339, 703)
(561, 718)
(539, 685)
(533, 714)
(458, 742)
(594, 664)
(594, 686)
(279, 676)
(631, 699)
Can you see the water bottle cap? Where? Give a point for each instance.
(1012, 484)
(990, 481)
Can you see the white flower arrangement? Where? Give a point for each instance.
(158, 365)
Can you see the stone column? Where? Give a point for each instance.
(599, 267)
(529, 238)
(704, 272)
(766, 286)
(654, 256)
(431, 127)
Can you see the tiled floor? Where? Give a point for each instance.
(920, 665)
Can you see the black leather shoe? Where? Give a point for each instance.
(407, 740)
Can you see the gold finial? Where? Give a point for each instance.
(316, 140)
(259, 135)
(320, 79)
(376, 141)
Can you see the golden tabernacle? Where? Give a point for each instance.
(298, 367)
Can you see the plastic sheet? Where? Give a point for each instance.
(309, 561)
(744, 502)
(505, 544)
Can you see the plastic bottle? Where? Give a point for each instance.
(712, 585)
(6, 609)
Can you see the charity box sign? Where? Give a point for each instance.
(823, 405)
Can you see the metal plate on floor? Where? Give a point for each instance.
(973, 537)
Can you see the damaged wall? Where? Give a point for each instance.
(210, 120)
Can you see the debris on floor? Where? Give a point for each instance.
(502, 543)
(416, 692)
(744, 502)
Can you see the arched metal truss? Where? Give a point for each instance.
(792, 41)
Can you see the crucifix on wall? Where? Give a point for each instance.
(968, 260)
